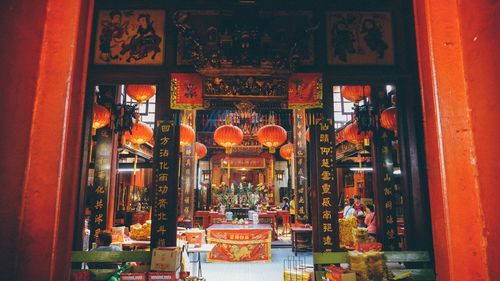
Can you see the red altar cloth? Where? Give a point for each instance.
(240, 243)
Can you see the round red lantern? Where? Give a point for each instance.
(351, 134)
(308, 135)
(286, 151)
(187, 135)
(141, 133)
(339, 136)
(141, 92)
(228, 136)
(389, 119)
(271, 136)
(201, 150)
(101, 117)
(356, 93)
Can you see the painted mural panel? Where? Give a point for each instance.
(359, 38)
(130, 37)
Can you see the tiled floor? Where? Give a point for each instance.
(272, 271)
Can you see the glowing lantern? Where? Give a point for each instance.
(356, 93)
(187, 135)
(142, 92)
(308, 135)
(271, 136)
(100, 117)
(351, 135)
(286, 151)
(389, 119)
(339, 136)
(141, 133)
(228, 136)
(201, 150)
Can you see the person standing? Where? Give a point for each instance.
(349, 209)
(359, 211)
(370, 221)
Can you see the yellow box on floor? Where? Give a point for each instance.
(297, 275)
(166, 259)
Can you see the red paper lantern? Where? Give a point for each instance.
(141, 133)
(308, 135)
(389, 119)
(286, 151)
(141, 92)
(271, 136)
(351, 134)
(356, 93)
(339, 136)
(101, 117)
(201, 150)
(187, 135)
(228, 136)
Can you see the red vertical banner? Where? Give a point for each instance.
(164, 217)
(305, 90)
(324, 190)
(186, 91)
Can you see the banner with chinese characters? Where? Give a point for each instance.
(164, 217)
(247, 163)
(240, 245)
(300, 162)
(102, 179)
(324, 188)
(186, 91)
(188, 170)
(388, 189)
(305, 90)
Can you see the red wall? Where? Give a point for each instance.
(458, 72)
(44, 61)
(480, 38)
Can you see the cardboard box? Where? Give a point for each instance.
(160, 276)
(129, 276)
(166, 259)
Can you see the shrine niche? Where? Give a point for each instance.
(227, 39)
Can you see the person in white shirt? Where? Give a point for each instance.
(349, 210)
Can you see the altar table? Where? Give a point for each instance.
(240, 243)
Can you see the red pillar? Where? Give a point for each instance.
(459, 65)
(43, 60)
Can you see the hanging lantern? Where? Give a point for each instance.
(201, 150)
(271, 136)
(351, 135)
(389, 119)
(187, 135)
(308, 135)
(356, 93)
(286, 151)
(141, 133)
(141, 92)
(228, 136)
(100, 118)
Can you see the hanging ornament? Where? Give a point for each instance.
(141, 92)
(389, 119)
(187, 135)
(228, 136)
(286, 151)
(141, 133)
(200, 150)
(308, 135)
(356, 93)
(101, 117)
(352, 135)
(271, 136)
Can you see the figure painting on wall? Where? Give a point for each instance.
(359, 38)
(130, 37)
